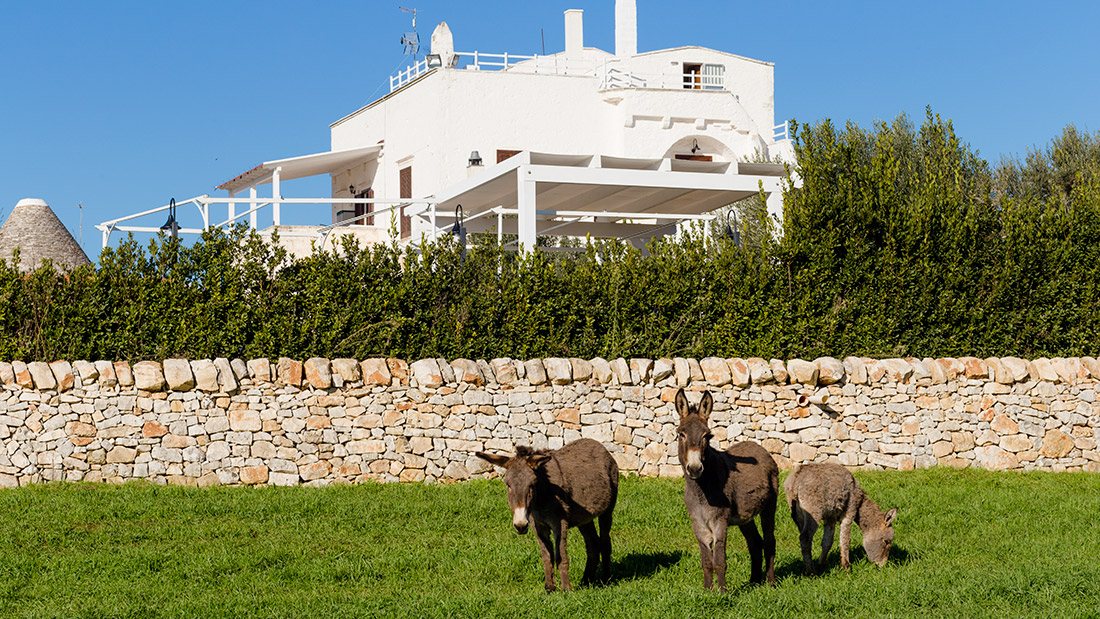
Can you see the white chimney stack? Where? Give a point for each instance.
(626, 28)
(574, 33)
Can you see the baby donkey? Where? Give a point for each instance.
(826, 493)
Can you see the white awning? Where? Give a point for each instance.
(332, 162)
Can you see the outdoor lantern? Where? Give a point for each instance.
(694, 146)
(733, 232)
(459, 230)
(171, 226)
(475, 158)
(434, 61)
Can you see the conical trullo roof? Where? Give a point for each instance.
(39, 234)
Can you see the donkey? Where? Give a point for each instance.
(723, 489)
(827, 493)
(568, 487)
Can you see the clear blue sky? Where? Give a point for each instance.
(123, 105)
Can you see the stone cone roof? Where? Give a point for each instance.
(39, 234)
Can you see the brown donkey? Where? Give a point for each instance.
(827, 493)
(726, 488)
(567, 487)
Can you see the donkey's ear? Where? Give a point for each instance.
(706, 405)
(494, 459)
(890, 516)
(682, 405)
(536, 460)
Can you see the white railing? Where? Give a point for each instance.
(781, 131)
(408, 75)
(252, 206)
(613, 77)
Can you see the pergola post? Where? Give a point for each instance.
(276, 195)
(525, 190)
(252, 206)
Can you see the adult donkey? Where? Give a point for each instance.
(723, 488)
(568, 487)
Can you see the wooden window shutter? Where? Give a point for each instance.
(505, 154)
(365, 209)
(406, 188)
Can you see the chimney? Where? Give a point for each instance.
(574, 33)
(626, 28)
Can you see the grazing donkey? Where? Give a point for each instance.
(827, 493)
(726, 488)
(558, 489)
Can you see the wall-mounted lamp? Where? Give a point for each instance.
(732, 232)
(475, 159)
(351, 190)
(434, 61)
(459, 230)
(694, 146)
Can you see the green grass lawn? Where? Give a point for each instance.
(969, 543)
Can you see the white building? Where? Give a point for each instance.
(585, 141)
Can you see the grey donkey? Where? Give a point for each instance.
(557, 489)
(723, 488)
(826, 493)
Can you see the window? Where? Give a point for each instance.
(406, 187)
(698, 76)
(365, 209)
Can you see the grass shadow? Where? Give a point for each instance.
(642, 564)
(898, 556)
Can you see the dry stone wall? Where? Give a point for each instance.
(209, 422)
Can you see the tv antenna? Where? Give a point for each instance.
(411, 40)
(80, 206)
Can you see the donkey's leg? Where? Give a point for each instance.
(592, 551)
(706, 555)
(807, 527)
(546, 546)
(827, 543)
(845, 539)
(605, 545)
(767, 527)
(756, 551)
(561, 530)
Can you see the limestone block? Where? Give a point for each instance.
(1092, 366)
(426, 373)
(800, 452)
(779, 371)
(84, 370)
(855, 370)
(953, 367)
(621, 369)
(829, 370)
(974, 368)
(536, 371)
(1041, 370)
(935, 371)
(486, 371)
(1066, 369)
(259, 370)
(318, 372)
(1002, 425)
(289, 371)
(153, 429)
(375, 372)
(245, 420)
(7, 375)
(317, 470)
(124, 374)
(177, 375)
(1015, 370)
(803, 372)
(898, 370)
(203, 371)
(467, 371)
(399, 369)
(920, 370)
(760, 370)
(715, 371)
(601, 371)
(106, 371)
(148, 376)
(740, 376)
(582, 369)
(682, 370)
(504, 371)
(240, 369)
(1016, 443)
(42, 375)
(662, 369)
(695, 369)
(253, 475)
(121, 455)
(558, 370)
(347, 369)
(993, 458)
(227, 378)
(445, 370)
(640, 370)
(1056, 444)
(63, 375)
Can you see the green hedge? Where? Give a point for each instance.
(900, 241)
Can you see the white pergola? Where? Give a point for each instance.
(579, 195)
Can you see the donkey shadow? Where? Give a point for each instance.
(642, 565)
(796, 568)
